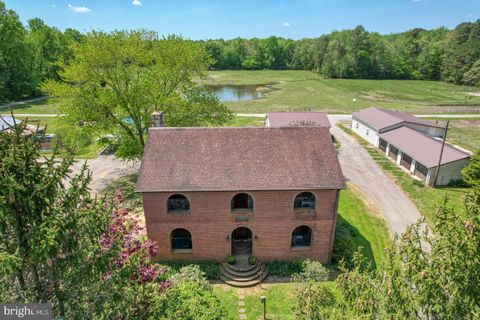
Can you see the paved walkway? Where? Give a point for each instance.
(361, 170)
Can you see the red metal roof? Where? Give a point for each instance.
(382, 118)
(422, 147)
(230, 159)
(285, 119)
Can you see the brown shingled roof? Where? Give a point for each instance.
(221, 159)
(382, 118)
(284, 119)
(422, 147)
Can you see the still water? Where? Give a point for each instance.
(232, 93)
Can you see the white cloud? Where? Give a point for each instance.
(79, 9)
(136, 3)
(416, 0)
(54, 5)
(286, 24)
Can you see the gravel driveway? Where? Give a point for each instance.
(362, 171)
(105, 169)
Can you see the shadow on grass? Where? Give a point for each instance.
(349, 239)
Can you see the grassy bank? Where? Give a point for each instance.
(427, 199)
(304, 90)
(371, 232)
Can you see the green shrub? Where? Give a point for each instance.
(189, 301)
(252, 260)
(284, 268)
(210, 268)
(191, 273)
(315, 302)
(312, 271)
(231, 259)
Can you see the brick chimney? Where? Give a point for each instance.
(157, 119)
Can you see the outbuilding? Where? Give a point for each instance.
(420, 153)
(369, 123)
(296, 119)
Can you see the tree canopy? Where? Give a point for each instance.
(116, 80)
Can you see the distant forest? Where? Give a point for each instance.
(30, 54)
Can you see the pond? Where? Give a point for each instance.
(232, 93)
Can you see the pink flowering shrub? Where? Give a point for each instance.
(130, 254)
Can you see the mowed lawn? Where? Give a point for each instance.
(372, 233)
(305, 90)
(463, 132)
(38, 107)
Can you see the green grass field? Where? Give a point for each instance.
(304, 90)
(463, 132)
(373, 235)
(39, 107)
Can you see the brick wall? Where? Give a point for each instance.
(210, 221)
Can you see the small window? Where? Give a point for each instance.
(181, 239)
(242, 201)
(305, 200)
(302, 237)
(368, 131)
(356, 126)
(178, 202)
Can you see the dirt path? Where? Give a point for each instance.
(362, 171)
(105, 169)
(17, 103)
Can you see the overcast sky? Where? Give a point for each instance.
(204, 19)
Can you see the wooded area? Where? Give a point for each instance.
(31, 54)
(418, 54)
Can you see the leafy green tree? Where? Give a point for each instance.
(15, 75)
(425, 275)
(189, 301)
(472, 76)
(115, 81)
(49, 232)
(462, 50)
(471, 173)
(315, 301)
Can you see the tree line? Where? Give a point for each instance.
(438, 54)
(33, 53)
(30, 54)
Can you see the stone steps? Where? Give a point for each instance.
(243, 276)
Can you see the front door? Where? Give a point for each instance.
(242, 241)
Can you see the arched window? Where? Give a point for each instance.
(181, 239)
(302, 237)
(178, 202)
(242, 201)
(304, 200)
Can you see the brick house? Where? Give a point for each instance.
(268, 192)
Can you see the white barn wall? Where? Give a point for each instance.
(431, 131)
(371, 137)
(448, 172)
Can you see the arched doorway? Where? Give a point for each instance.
(242, 241)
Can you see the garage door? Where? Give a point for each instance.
(393, 152)
(406, 161)
(421, 171)
(382, 145)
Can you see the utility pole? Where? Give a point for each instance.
(441, 154)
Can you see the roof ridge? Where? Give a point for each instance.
(237, 128)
